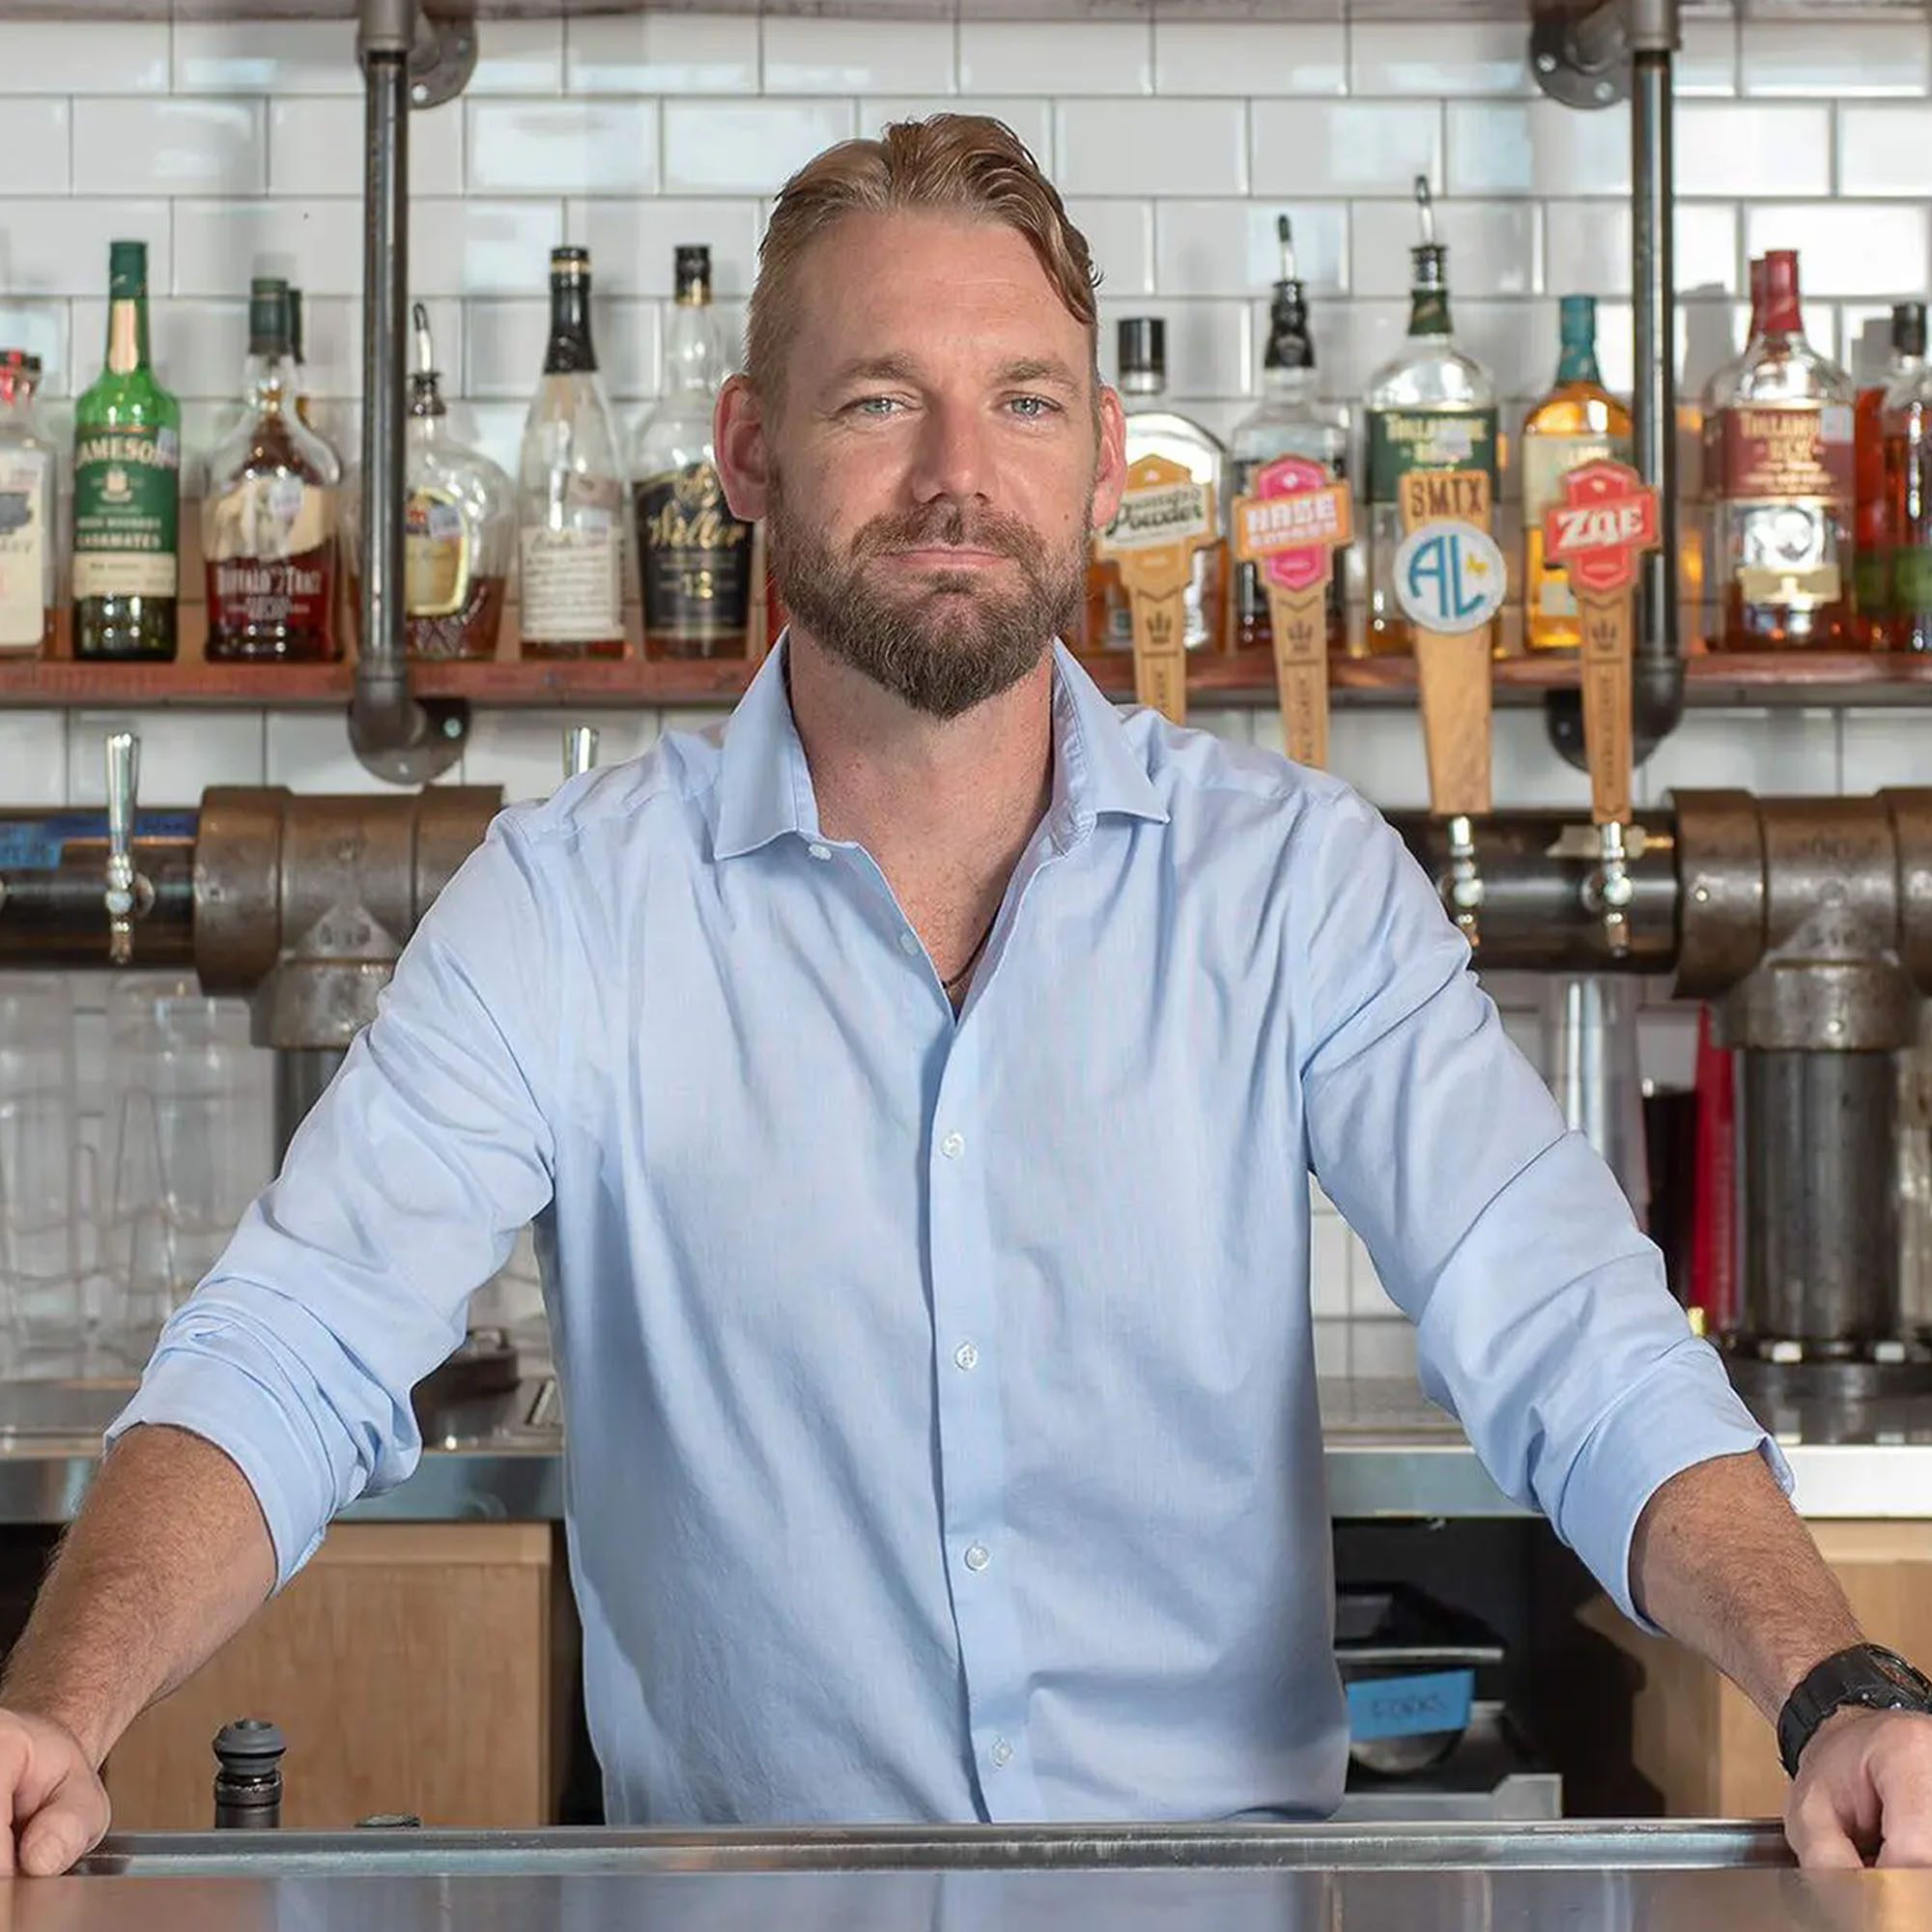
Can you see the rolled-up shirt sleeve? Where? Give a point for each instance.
(1542, 1318)
(403, 1192)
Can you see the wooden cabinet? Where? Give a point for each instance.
(419, 1667)
(1699, 1740)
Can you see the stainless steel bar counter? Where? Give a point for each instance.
(1391, 1453)
(1543, 1878)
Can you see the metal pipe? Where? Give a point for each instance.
(52, 910)
(394, 734)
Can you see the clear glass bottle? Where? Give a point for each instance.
(694, 556)
(1429, 407)
(1784, 552)
(570, 489)
(459, 527)
(1578, 421)
(268, 521)
(126, 485)
(29, 511)
(1290, 420)
(1154, 430)
(1872, 512)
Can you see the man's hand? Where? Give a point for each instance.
(50, 1789)
(1863, 1787)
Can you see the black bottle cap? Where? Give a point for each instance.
(569, 263)
(1143, 345)
(692, 271)
(23, 360)
(1288, 345)
(267, 316)
(1908, 327)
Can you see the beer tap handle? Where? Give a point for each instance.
(124, 896)
(579, 750)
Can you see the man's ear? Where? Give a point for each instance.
(1110, 471)
(744, 461)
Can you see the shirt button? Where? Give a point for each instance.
(953, 1146)
(908, 943)
(1002, 1753)
(977, 1556)
(818, 851)
(966, 1356)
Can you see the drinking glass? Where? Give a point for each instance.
(42, 1321)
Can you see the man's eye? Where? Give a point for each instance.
(1032, 408)
(875, 405)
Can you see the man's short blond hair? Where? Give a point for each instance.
(967, 164)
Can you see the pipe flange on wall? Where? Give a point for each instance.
(1807, 920)
(306, 904)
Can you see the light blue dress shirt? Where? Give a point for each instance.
(941, 1396)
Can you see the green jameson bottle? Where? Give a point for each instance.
(126, 485)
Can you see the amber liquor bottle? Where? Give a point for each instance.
(1784, 553)
(268, 521)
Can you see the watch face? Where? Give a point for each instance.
(1895, 1667)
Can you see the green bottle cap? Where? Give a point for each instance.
(127, 269)
(267, 316)
(1577, 321)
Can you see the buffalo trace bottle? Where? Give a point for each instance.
(268, 522)
(694, 556)
(1782, 549)
(126, 485)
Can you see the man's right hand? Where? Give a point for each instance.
(53, 1793)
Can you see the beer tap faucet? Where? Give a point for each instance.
(1464, 887)
(129, 894)
(1609, 889)
(579, 750)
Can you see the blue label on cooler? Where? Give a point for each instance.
(1407, 1707)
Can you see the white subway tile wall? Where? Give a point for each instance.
(234, 148)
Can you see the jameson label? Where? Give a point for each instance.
(1546, 461)
(694, 556)
(1787, 452)
(1402, 441)
(436, 554)
(23, 550)
(1251, 598)
(573, 583)
(127, 499)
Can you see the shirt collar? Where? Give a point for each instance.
(764, 787)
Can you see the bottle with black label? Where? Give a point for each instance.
(570, 489)
(694, 556)
(126, 485)
(1432, 408)
(1289, 421)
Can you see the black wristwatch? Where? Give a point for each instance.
(1868, 1675)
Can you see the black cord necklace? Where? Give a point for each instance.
(958, 980)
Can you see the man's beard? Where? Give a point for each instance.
(949, 640)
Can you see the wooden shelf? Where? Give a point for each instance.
(1237, 678)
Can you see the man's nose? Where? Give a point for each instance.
(953, 457)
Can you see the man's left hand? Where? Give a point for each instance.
(1863, 1789)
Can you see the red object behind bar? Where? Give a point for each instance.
(1714, 1212)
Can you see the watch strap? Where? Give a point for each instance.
(1865, 1676)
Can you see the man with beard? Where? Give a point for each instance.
(916, 1087)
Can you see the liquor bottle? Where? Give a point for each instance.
(1154, 430)
(126, 485)
(459, 527)
(1871, 520)
(570, 501)
(1288, 422)
(268, 522)
(1783, 524)
(694, 556)
(1908, 474)
(1718, 393)
(299, 354)
(29, 507)
(1578, 421)
(1430, 408)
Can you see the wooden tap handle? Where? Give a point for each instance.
(1605, 668)
(1300, 622)
(1453, 673)
(1160, 649)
